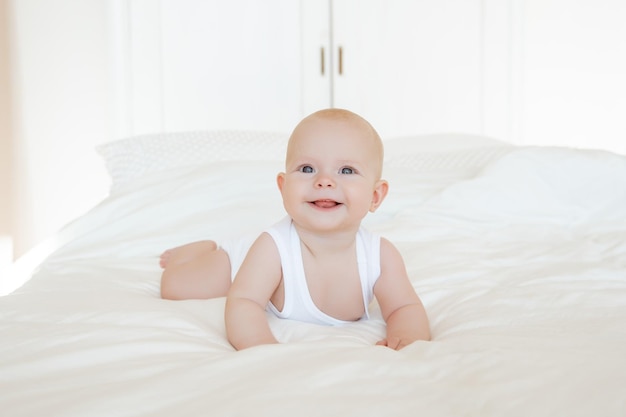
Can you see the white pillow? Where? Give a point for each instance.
(135, 157)
(418, 166)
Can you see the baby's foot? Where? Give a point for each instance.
(164, 258)
(186, 252)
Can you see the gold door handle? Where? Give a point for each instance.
(340, 58)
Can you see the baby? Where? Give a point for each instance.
(318, 264)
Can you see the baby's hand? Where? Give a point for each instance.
(393, 342)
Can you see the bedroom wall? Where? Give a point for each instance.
(59, 111)
(571, 73)
(5, 140)
(566, 61)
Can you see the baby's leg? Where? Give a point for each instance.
(185, 253)
(198, 270)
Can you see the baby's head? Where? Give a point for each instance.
(332, 171)
(340, 127)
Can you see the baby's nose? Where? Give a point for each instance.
(324, 182)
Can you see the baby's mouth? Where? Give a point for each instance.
(325, 203)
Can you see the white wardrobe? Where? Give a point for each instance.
(408, 66)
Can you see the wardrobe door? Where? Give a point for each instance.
(317, 68)
(410, 66)
(199, 64)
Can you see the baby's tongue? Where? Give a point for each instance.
(325, 203)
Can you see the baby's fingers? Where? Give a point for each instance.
(392, 342)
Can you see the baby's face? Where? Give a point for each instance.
(332, 174)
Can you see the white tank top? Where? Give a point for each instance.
(298, 304)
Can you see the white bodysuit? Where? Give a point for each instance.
(298, 304)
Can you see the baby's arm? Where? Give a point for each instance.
(401, 307)
(256, 281)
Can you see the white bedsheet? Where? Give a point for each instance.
(522, 270)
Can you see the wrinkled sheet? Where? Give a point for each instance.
(521, 267)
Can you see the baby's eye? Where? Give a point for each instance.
(346, 170)
(307, 169)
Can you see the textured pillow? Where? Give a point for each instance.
(132, 158)
(433, 160)
(418, 167)
(454, 155)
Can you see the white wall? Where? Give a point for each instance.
(572, 75)
(566, 62)
(5, 135)
(60, 111)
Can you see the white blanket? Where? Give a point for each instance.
(521, 266)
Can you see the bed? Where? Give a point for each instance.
(518, 253)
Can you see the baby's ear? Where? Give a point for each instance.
(380, 192)
(280, 181)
